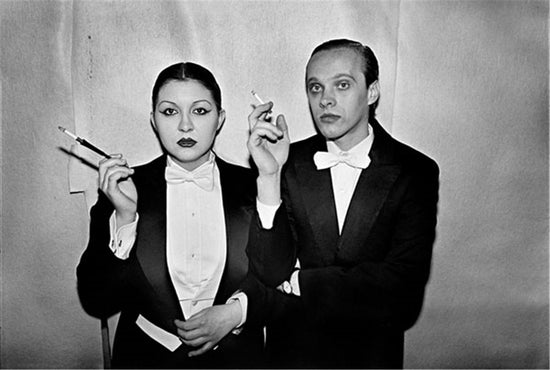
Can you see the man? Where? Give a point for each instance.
(345, 224)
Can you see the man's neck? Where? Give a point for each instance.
(347, 142)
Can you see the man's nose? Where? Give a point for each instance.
(327, 99)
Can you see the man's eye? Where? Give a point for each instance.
(200, 111)
(343, 85)
(169, 111)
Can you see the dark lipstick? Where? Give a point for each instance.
(186, 142)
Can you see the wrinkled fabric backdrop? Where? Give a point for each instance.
(465, 82)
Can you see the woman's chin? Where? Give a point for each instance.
(189, 158)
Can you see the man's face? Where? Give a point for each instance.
(338, 96)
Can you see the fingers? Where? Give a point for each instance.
(193, 337)
(106, 163)
(270, 133)
(205, 348)
(193, 323)
(281, 124)
(259, 114)
(110, 166)
(113, 176)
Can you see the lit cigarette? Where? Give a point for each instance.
(257, 97)
(84, 142)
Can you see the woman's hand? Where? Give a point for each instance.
(268, 145)
(115, 182)
(207, 327)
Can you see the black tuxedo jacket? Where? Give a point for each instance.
(359, 290)
(142, 285)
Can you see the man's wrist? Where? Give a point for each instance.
(269, 188)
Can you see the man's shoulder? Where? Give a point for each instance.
(413, 159)
(387, 149)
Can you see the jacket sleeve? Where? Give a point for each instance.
(101, 276)
(388, 292)
(270, 252)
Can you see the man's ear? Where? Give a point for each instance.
(373, 92)
(221, 120)
(152, 120)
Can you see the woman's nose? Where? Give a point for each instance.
(185, 124)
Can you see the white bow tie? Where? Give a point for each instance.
(325, 160)
(203, 176)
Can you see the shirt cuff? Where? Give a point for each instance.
(122, 239)
(243, 300)
(294, 283)
(266, 213)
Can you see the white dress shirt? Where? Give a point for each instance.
(196, 244)
(344, 178)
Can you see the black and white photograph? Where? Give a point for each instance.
(271, 184)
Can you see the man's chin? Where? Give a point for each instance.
(329, 134)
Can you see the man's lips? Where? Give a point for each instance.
(186, 142)
(329, 118)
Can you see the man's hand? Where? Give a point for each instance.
(268, 145)
(207, 327)
(115, 182)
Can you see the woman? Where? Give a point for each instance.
(167, 240)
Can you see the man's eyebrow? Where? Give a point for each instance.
(335, 77)
(340, 75)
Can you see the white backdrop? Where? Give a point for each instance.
(466, 82)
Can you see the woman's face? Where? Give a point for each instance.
(187, 120)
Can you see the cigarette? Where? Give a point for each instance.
(84, 142)
(257, 97)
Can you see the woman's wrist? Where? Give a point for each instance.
(124, 218)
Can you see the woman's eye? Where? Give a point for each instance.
(200, 111)
(314, 88)
(169, 111)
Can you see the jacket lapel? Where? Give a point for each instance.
(316, 190)
(371, 191)
(151, 249)
(237, 224)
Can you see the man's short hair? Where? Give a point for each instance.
(370, 63)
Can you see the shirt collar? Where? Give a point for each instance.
(170, 162)
(361, 148)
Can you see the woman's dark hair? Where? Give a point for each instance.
(184, 72)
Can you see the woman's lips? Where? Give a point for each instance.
(186, 142)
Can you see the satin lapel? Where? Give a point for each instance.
(316, 190)
(237, 223)
(371, 191)
(370, 194)
(151, 249)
